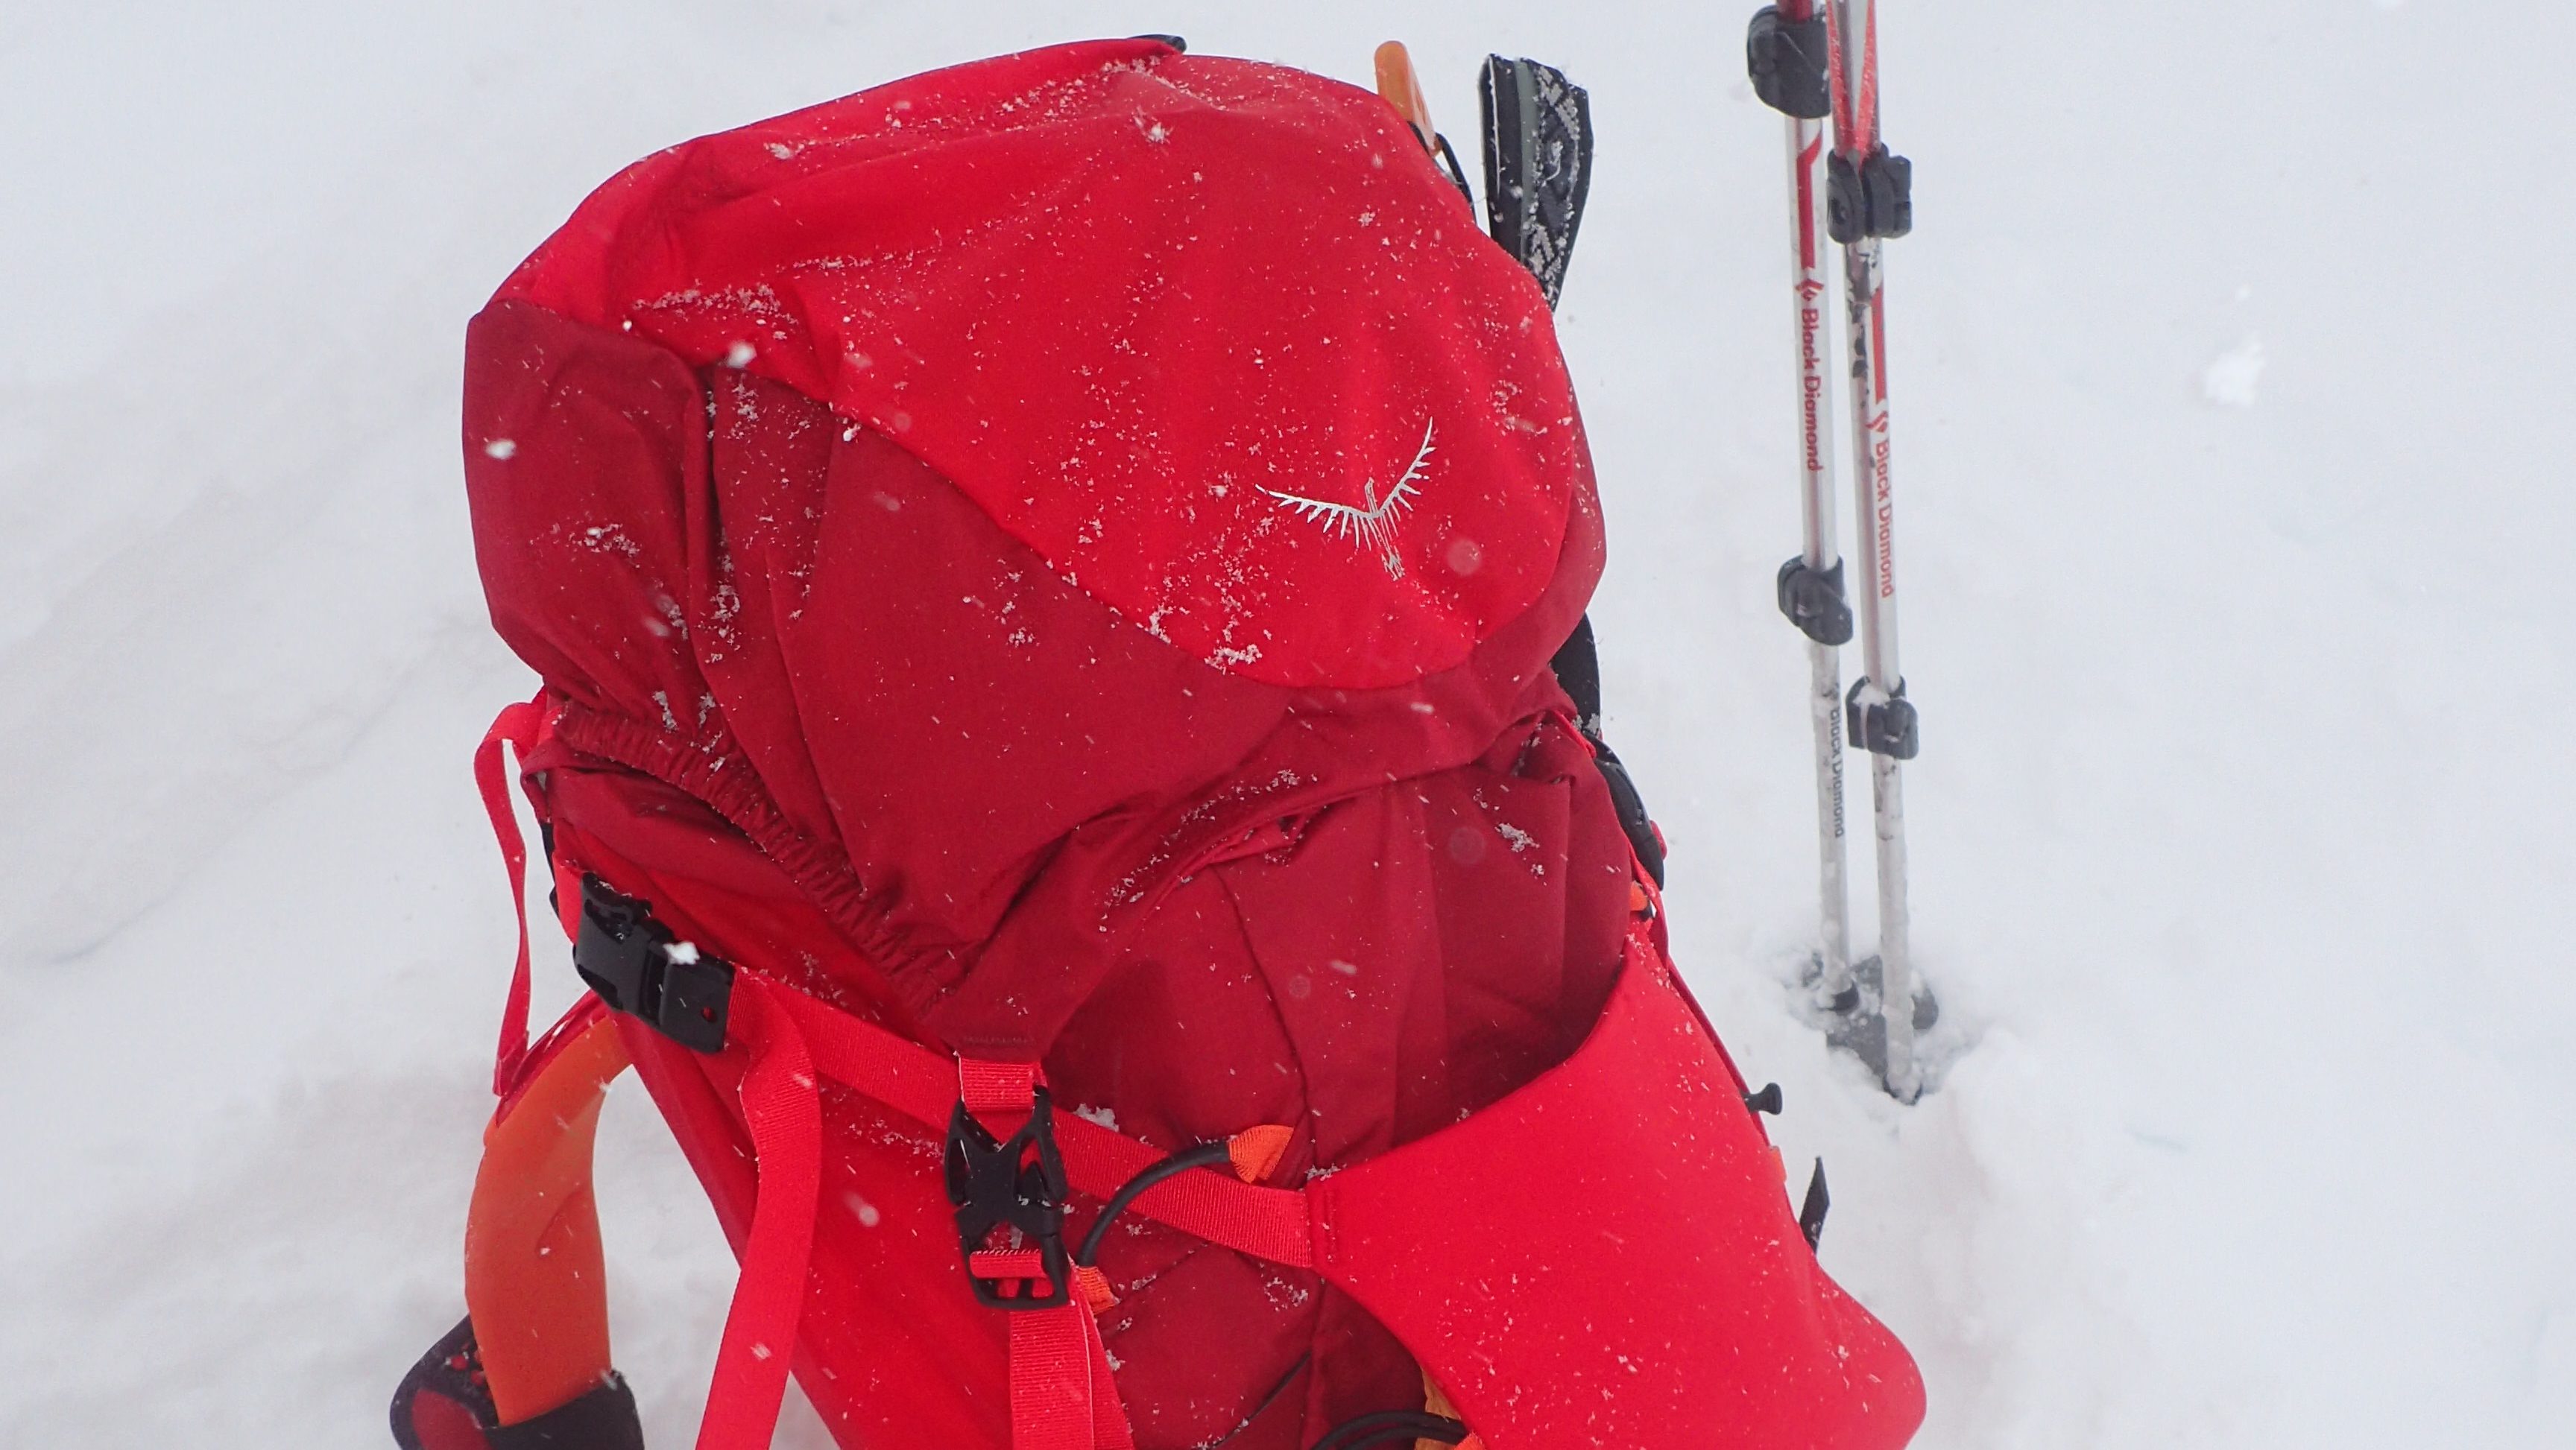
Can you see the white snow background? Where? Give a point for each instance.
(2227, 357)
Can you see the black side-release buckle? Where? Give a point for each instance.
(1885, 727)
(1873, 199)
(1017, 1184)
(1812, 598)
(637, 967)
(1786, 59)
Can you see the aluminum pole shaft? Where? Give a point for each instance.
(1856, 128)
(1821, 549)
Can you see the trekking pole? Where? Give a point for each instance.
(1869, 198)
(1787, 51)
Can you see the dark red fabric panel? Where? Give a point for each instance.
(892, 696)
(583, 451)
(1048, 953)
(953, 707)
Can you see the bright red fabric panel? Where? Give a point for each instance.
(1214, 338)
(1614, 1261)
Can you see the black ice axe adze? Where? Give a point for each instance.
(1538, 164)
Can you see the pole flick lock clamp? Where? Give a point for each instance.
(1874, 198)
(1786, 59)
(1882, 727)
(1812, 598)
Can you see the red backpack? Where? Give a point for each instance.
(1045, 575)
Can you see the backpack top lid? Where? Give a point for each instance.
(1214, 338)
(1058, 465)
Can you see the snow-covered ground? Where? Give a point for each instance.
(2227, 355)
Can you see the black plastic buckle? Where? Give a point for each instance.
(1887, 727)
(1873, 199)
(1786, 59)
(1017, 1184)
(1812, 598)
(637, 967)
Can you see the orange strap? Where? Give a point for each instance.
(535, 1284)
(532, 1258)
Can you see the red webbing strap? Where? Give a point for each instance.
(1267, 1223)
(517, 726)
(784, 1113)
(902, 1074)
(1063, 1395)
(1000, 1088)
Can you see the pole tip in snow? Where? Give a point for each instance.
(1855, 1020)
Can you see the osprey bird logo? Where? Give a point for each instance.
(1374, 524)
